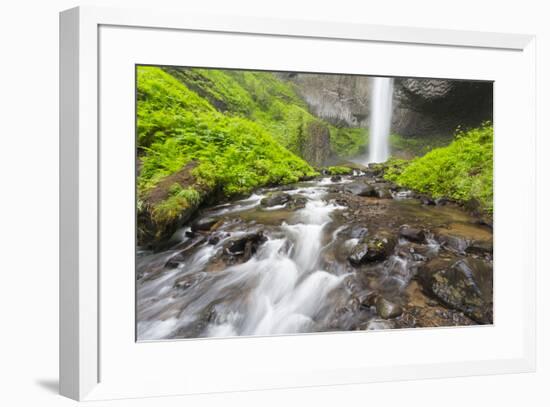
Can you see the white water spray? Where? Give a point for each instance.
(381, 112)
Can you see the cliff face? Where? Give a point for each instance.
(421, 107)
(427, 107)
(340, 99)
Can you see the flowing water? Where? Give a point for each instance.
(281, 289)
(296, 279)
(380, 121)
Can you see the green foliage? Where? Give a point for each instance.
(339, 170)
(348, 142)
(393, 167)
(160, 102)
(269, 101)
(179, 199)
(234, 153)
(417, 146)
(258, 96)
(218, 87)
(462, 171)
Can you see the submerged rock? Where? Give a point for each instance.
(203, 224)
(465, 238)
(358, 231)
(175, 261)
(244, 246)
(275, 199)
(213, 240)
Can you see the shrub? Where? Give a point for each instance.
(348, 142)
(461, 171)
(338, 170)
(234, 153)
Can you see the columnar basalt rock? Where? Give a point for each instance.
(422, 107)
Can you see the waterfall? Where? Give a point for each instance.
(380, 119)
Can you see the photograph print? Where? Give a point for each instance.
(276, 203)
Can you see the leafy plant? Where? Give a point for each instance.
(176, 125)
(339, 170)
(347, 141)
(461, 171)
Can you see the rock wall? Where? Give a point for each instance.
(317, 149)
(340, 99)
(422, 107)
(436, 107)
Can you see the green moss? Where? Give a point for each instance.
(416, 146)
(261, 97)
(176, 125)
(348, 142)
(179, 200)
(217, 87)
(160, 101)
(338, 170)
(269, 101)
(461, 171)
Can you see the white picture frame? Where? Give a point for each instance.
(88, 332)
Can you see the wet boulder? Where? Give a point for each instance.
(474, 206)
(451, 241)
(185, 282)
(412, 234)
(426, 200)
(463, 284)
(175, 261)
(387, 309)
(214, 240)
(336, 178)
(403, 194)
(297, 202)
(203, 224)
(361, 189)
(275, 199)
(382, 191)
(473, 239)
(480, 247)
(416, 251)
(368, 250)
(244, 246)
(431, 316)
(367, 298)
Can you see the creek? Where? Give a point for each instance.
(298, 259)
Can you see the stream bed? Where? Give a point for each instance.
(336, 253)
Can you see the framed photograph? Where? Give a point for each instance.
(252, 204)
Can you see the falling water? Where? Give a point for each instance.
(381, 111)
